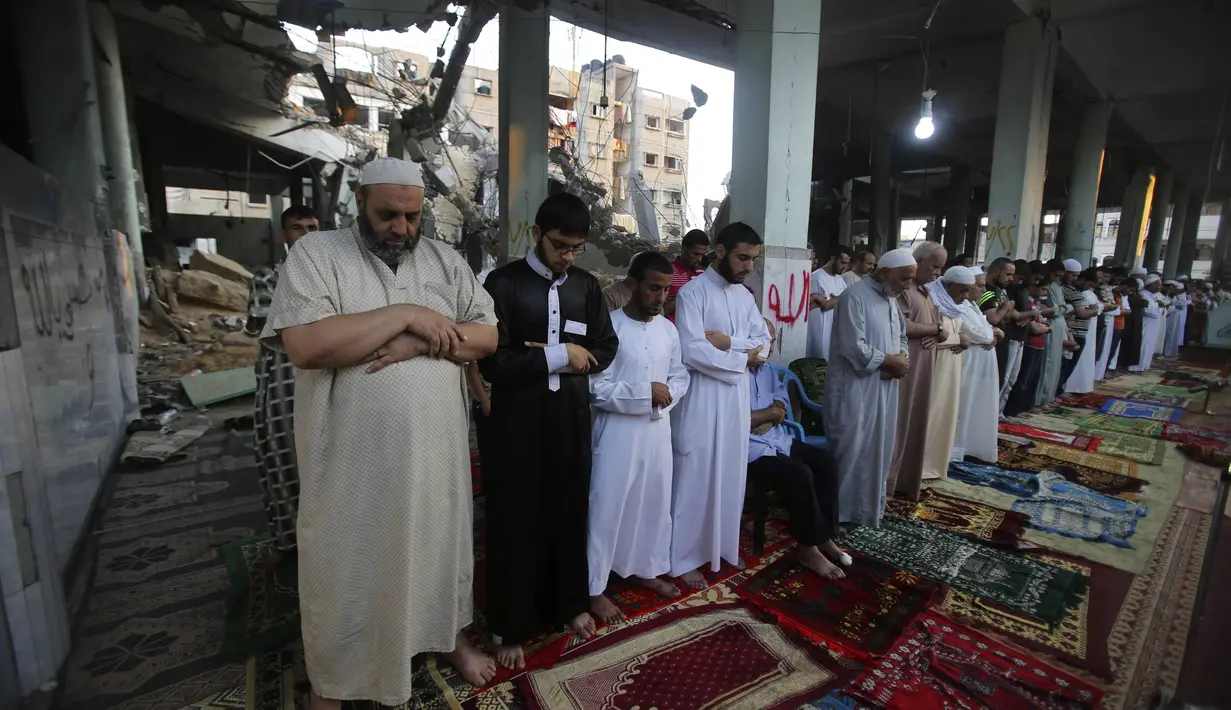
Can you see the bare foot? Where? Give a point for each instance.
(661, 586)
(694, 580)
(511, 657)
(583, 625)
(316, 702)
(740, 564)
(607, 612)
(811, 558)
(837, 554)
(475, 667)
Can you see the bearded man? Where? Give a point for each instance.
(378, 324)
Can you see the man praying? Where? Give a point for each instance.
(1151, 322)
(925, 331)
(554, 333)
(949, 294)
(826, 284)
(869, 357)
(721, 336)
(862, 264)
(979, 411)
(378, 323)
(803, 475)
(687, 266)
(630, 483)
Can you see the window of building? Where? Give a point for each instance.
(651, 159)
(596, 110)
(674, 163)
(483, 87)
(652, 122)
(410, 70)
(675, 197)
(316, 106)
(257, 199)
(363, 116)
(384, 117)
(675, 126)
(1211, 209)
(596, 151)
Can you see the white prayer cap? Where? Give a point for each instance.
(1140, 271)
(896, 259)
(391, 171)
(1152, 279)
(1182, 277)
(975, 270)
(1072, 265)
(958, 275)
(1179, 286)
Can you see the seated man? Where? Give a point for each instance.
(804, 475)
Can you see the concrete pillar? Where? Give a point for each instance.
(523, 124)
(847, 215)
(1160, 209)
(1188, 238)
(1077, 230)
(974, 229)
(776, 51)
(936, 226)
(880, 223)
(958, 209)
(1019, 152)
(1133, 210)
(1175, 238)
(60, 95)
(1221, 259)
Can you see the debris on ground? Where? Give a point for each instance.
(220, 266)
(212, 289)
(209, 388)
(164, 442)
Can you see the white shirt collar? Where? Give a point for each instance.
(541, 269)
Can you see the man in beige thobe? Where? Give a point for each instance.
(924, 331)
(378, 324)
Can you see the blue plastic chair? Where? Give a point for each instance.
(790, 379)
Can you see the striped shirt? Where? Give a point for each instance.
(681, 275)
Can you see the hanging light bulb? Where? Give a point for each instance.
(925, 129)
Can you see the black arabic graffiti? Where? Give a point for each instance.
(54, 311)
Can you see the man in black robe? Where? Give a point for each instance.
(554, 331)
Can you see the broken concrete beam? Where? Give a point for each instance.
(220, 265)
(212, 289)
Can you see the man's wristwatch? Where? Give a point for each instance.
(938, 329)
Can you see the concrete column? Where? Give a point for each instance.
(1159, 211)
(958, 209)
(61, 98)
(776, 50)
(523, 124)
(1175, 238)
(1077, 230)
(1019, 153)
(880, 224)
(1188, 238)
(1134, 208)
(847, 215)
(936, 226)
(1221, 259)
(974, 227)
(894, 237)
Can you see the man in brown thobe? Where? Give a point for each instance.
(924, 331)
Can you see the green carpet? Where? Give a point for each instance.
(263, 605)
(1160, 496)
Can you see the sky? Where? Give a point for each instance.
(709, 147)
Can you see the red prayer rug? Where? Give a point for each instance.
(866, 612)
(712, 658)
(940, 665)
(1089, 400)
(1077, 441)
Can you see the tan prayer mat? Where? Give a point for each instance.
(1141, 449)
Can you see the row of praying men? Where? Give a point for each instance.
(362, 447)
(924, 360)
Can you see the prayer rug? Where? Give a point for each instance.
(1084, 442)
(730, 659)
(1071, 456)
(1182, 433)
(940, 665)
(1006, 481)
(1123, 425)
(263, 608)
(1002, 528)
(1089, 400)
(1141, 449)
(1026, 460)
(1159, 399)
(1161, 390)
(1020, 583)
(1073, 511)
(1141, 410)
(866, 611)
(1080, 640)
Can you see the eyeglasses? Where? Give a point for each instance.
(564, 249)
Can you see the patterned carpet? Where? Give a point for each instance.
(151, 622)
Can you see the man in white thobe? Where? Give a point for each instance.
(378, 324)
(980, 405)
(1177, 321)
(826, 285)
(1151, 321)
(630, 483)
(870, 357)
(721, 336)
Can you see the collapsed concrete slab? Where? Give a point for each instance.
(212, 289)
(220, 266)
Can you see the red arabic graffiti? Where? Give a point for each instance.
(790, 314)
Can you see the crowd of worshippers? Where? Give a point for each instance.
(617, 428)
